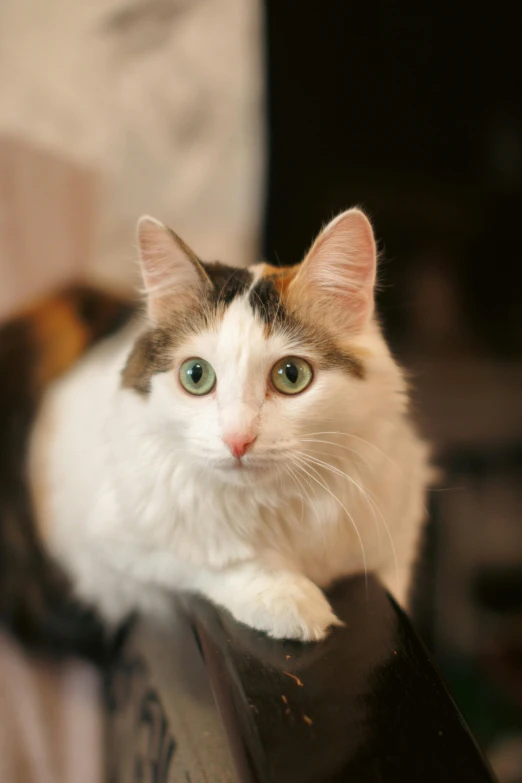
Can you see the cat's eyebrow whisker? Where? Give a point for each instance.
(252, 290)
(327, 488)
(279, 306)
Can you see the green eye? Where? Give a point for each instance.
(197, 376)
(291, 375)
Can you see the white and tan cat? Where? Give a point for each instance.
(248, 440)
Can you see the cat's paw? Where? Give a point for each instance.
(285, 609)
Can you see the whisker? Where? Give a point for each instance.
(339, 472)
(326, 487)
(292, 476)
(374, 446)
(356, 437)
(312, 488)
(369, 499)
(329, 453)
(312, 505)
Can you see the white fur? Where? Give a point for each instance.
(143, 499)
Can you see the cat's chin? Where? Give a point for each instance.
(239, 472)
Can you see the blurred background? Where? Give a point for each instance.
(247, 125)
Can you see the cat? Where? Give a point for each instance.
(246, 438)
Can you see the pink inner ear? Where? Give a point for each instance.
(340, 270)
(170, 276)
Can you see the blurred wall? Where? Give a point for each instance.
(143, 106)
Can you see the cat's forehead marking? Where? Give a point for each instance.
(268, 299)
(153, 351)
(228, 282)
(263, 289)
(267, 294)
(279, 276)
(265, 285)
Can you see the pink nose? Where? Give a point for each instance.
(238, 443)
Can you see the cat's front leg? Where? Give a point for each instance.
(283, 603)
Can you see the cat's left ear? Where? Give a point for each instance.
(173, 277)
(335, 282)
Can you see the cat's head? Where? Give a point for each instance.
(249, 367)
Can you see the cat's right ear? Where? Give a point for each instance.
(173, 277)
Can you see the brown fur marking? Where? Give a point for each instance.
(60, 339)
(153, 351)
(151, 354)
(64, 325)
(35, 597)
(271, 298)
(39, 476)
(281, 276)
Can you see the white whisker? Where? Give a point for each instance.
(329, 453)
(342, 474)
(369, 499)
(356, 437)
(326, 487)
(312, 505)
(292, 476)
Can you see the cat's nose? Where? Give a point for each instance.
(238, 443)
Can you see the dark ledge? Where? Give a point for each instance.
(365, 705)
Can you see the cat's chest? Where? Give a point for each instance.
(196, 521)
(203, 524)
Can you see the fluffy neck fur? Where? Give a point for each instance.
(137, 491)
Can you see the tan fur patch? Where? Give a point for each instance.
(357, 352)
(279, 298)
(36, 346)
(281, 276)
(63, 326)
(60, 336)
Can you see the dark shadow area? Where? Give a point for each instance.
(415, 113)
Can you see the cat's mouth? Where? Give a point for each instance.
(238, 466)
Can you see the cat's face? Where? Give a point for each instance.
(247, 367)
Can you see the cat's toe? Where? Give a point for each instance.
(299, 612)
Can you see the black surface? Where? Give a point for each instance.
(365, 705)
